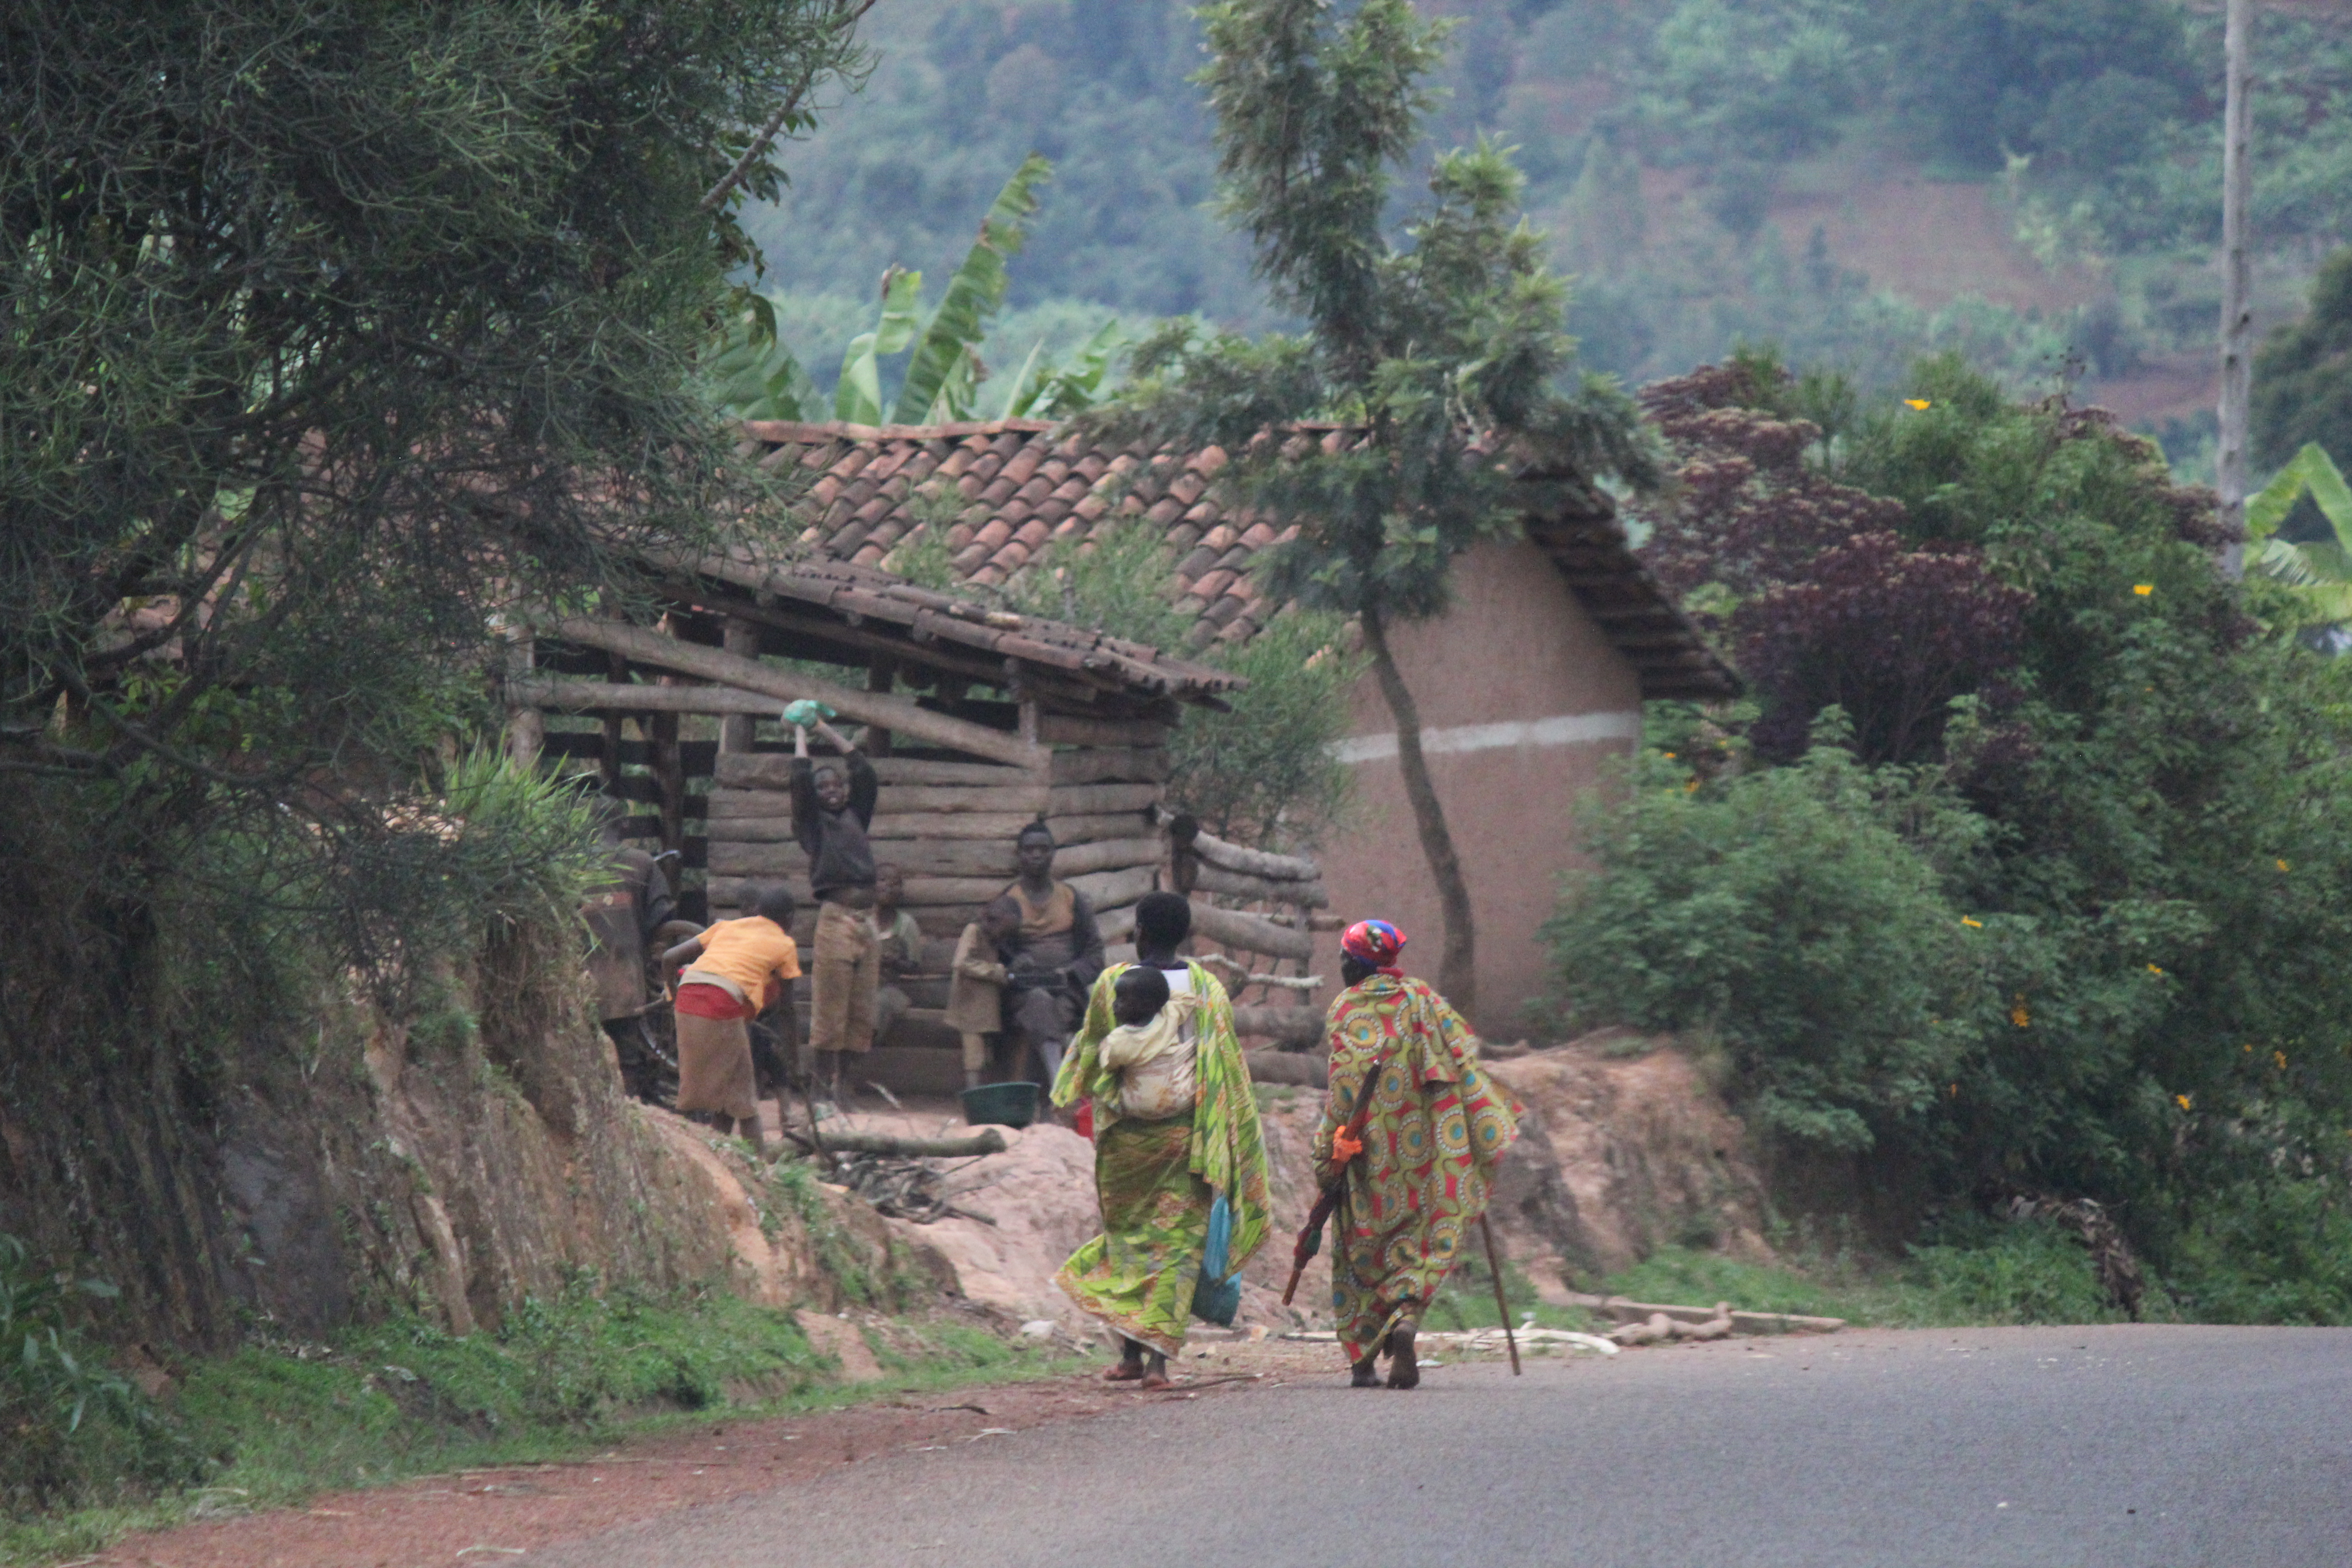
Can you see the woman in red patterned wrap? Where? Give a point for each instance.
(1418, 1177)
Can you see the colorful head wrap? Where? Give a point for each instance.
(1375, 942)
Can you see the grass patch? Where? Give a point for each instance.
(1971, 1274)
(278, 1423)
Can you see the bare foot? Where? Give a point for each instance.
(1125, 1371)
(1154, 1382)
(1405, 1370)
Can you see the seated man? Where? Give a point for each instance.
(1051, 961)
(899, 943)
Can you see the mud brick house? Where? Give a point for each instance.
(1526, 687)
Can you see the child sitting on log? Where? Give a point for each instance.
(976, 984)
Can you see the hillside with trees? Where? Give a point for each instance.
(2034, 186)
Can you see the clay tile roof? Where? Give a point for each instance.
(1024, 480)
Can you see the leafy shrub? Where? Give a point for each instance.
(77, 1432)
(1990, 1272)
(1793, 917)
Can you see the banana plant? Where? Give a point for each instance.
(2322, 570)
(753, 375)
(946, 370)
(1043, 390)
(859, 396)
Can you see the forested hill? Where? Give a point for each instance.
(1857, 178)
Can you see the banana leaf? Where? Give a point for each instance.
(945, 372)
(1046, 391)
(858, 398)
(2322, 570)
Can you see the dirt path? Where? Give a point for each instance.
(496, 1515)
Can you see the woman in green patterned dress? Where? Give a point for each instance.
(1418, 1177)
(1158, 1179)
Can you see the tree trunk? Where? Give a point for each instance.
(2237, 288)
(1457, 968)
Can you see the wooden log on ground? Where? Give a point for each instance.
(1249, 934)
(1292, 1025)
(1110, 765)
(900, 716)
(1208, 878)
(1304, 1069)
(987, 1141)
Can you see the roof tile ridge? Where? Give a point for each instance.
(804, 432)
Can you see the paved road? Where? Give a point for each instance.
(2107, 1447)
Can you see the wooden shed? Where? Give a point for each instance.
(979, 722)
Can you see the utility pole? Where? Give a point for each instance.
(2237, 288)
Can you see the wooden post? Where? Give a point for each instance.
(2237, 288)
(669, 776)
(526, 725)
(617, 670)
(882, 677)
(736, 730)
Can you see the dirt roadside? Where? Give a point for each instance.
(496, 1515)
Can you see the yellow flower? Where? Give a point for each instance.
(2017, 1013)
(1691, 788)
(2249, 1050)
(2279, 1057)
(2184, 1102)
(1956, 1091)
(2282, 865)
(1967, 922)
(2143, 589)
(2152, 969)
(1917, 403)
(1670, 757)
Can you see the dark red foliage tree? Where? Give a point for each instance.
(1890, 634)
(1744, 509)
(1810, 582)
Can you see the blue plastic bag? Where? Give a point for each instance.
(1215, 1298)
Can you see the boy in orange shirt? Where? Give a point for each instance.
(740, 969)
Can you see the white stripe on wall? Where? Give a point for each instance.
(1569, 729)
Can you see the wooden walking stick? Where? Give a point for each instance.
(1310, 1235)
(1495, 1268)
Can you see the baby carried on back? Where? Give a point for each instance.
(1153, 1050)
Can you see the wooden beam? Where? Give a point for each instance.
(598, 696)
(1250, 933)
(1208, 878)
(892, 713)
